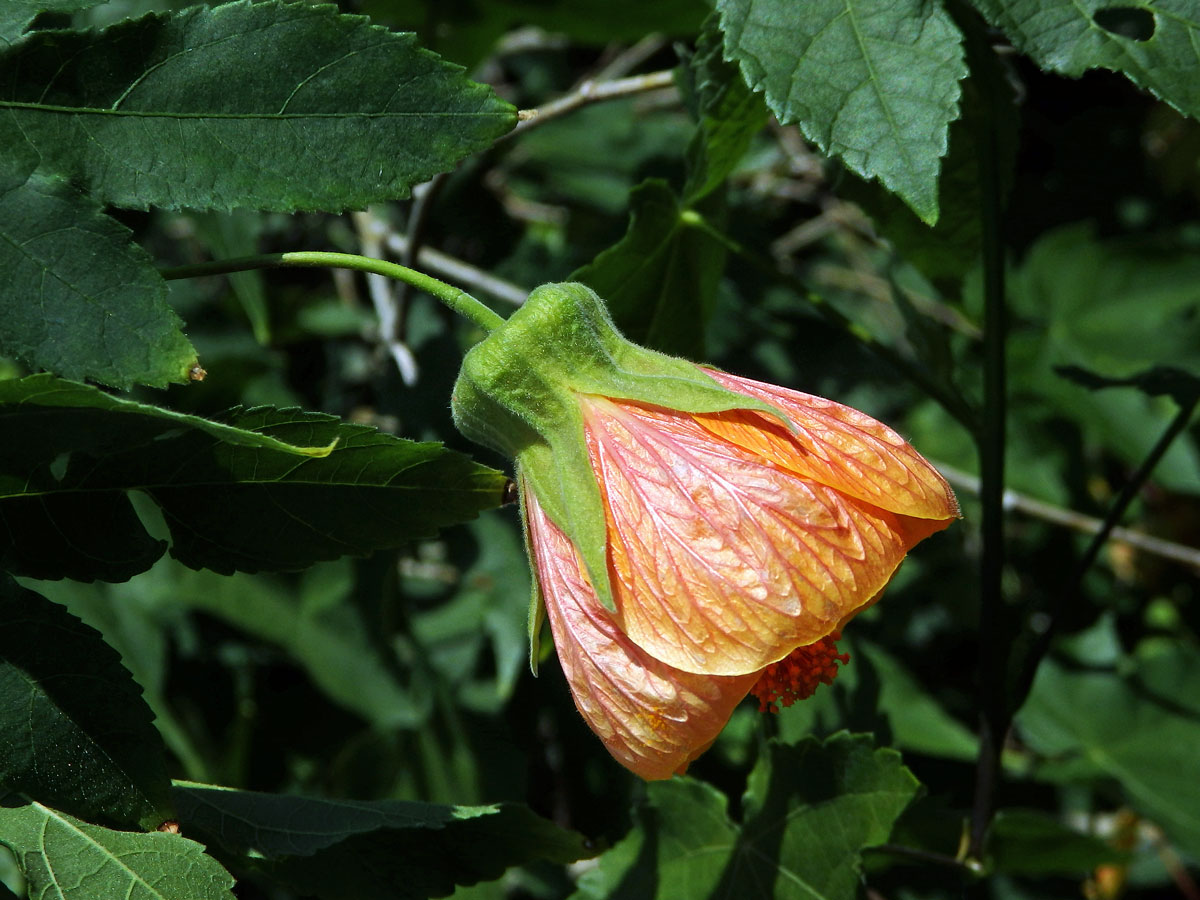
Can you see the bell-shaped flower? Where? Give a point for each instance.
(695, 535)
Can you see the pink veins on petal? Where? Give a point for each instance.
(727, 546)
(653, 719)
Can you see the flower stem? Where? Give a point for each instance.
(456, 299)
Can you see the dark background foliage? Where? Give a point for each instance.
(360, 683)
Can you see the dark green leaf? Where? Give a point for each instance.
(74, 730)
(348, 850)
(489, 609)
(66, 859)
(874, 82)
(319, 628)
(1093, 725)
(809, 810)
(467, 34)
(137, 619)
(1028, 842)
(1155, 42)
(78, 298)
(730, 116)
(875, 691)
(660, 280)
(268, 105)
(1119, 307)
(15, 15)
(244, 494)
(1183, 387)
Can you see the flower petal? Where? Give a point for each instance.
(722, 561)
(838, 446)
(653, 719)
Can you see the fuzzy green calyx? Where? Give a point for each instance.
(520, 391)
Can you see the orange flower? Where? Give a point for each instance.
(696, 536)
(737, 549)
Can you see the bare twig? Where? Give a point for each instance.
(460, 272)
(445, 265)
(1069, 518)
(593, 91)
(630, 58)
(382, 298)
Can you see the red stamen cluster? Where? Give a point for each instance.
(796, 676)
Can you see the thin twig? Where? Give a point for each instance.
(460, 272)
(630, 58)
(592, 91)
(383, 298)
(945, 395)
(1069, 518)
(443, 264)
(418, 221)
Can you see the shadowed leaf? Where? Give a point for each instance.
(74, 730)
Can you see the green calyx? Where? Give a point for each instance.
(521, 391)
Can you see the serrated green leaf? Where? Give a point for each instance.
(66, 859)
(78, 297)
(810, 808)
(250, 493)
(1092, 725)
(15, 15)
(873, 82)
(730, 116)
(74, 730)
(660, 279)
(391, 850)
(1070, 37)
(946, 252)
(282, 106)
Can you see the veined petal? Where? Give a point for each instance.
(837, 446)
(653, 719)
(722, 560)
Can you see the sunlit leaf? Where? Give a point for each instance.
(78, 297)
(1156, 43)
(270, 105)
(66, 859)
(873, 82)
(730, 116)
(809, 810)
